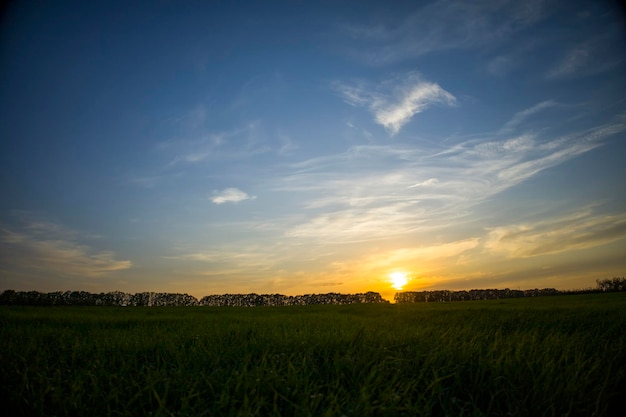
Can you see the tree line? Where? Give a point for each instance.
(604, 285)
(486, 294)
(156, 299)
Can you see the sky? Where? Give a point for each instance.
(311, 147)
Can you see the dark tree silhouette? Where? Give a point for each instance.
(614, 284)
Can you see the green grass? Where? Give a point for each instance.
(551, 356)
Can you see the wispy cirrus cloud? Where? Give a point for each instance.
(501, 65)
(395, 101)
(253, 266)
(374, 266)
(231, 261)
(151, 181)
(577, 230)
(426, 183)
(523, 115)
(587, 57)
(230, 195)
(191, 120)
(433, 254)
(574, 60)
(238, 142)
(51, 249)
(378, 192)
(441, 25)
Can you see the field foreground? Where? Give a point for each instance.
(548, 356)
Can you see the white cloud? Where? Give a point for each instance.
(394, 102)
(230, 195)
(394, 115)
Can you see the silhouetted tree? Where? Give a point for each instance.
(614, 284)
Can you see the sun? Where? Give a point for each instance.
(398, 280)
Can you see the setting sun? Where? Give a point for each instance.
(398, 280)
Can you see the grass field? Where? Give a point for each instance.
(549, 356)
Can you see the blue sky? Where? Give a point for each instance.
(289, 147)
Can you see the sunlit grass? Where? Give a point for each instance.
(525, 357)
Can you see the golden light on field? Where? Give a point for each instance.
(398, 280)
